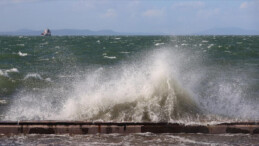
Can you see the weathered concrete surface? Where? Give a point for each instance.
(81, 127)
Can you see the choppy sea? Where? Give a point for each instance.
(186, 79)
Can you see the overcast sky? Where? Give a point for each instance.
(151, 16)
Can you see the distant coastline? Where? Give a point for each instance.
(86, 32)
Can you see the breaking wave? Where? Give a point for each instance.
(161, 85)
(7, 71)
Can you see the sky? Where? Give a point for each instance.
(145, 16)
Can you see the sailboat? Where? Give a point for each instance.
(46, 32)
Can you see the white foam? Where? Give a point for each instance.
(22, 54)
(151, 85)
(21, 45)
(2, 101)
(144, 83)
(227, 51)
(159, 44)
(110, 57)
(187, 140)
(48, 79)
(33, 75)
(44, 59)
(211, 45)
(161, 85)
(5, 72)
(124, 52)
(2, 73)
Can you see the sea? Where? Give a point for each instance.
(176, 79)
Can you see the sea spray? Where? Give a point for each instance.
(143, 90)
(188, 83)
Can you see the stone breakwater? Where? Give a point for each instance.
(82, 127)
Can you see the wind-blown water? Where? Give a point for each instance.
(130, 78)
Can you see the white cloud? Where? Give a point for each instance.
(153, 13)
(243, 5)
(254, 4)
(110, 13)
(189, 4)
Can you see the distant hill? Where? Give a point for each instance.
(62, 32)
(83, 32)
(228, 31)
(22, 32)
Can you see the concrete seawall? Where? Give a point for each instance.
(81, 127)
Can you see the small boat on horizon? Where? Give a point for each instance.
(46, 32)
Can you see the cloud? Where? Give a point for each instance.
(243, 5)
(153, 13)
(110, 13)
(188, 5)
(254, 4)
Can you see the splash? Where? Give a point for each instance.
(165, 84)
(131, 92)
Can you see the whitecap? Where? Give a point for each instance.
(204, 41)
(2, 73)
(2, 101)
(48, 79)
(158, 44)
(5, 72)
(12, 70)
(124, 52)
(45, 43)
(33, 75)
(21, 45)
(110, 57)
(44, 59)
(227, 51)
(117, 38)
(210, 46)
(22, 54)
